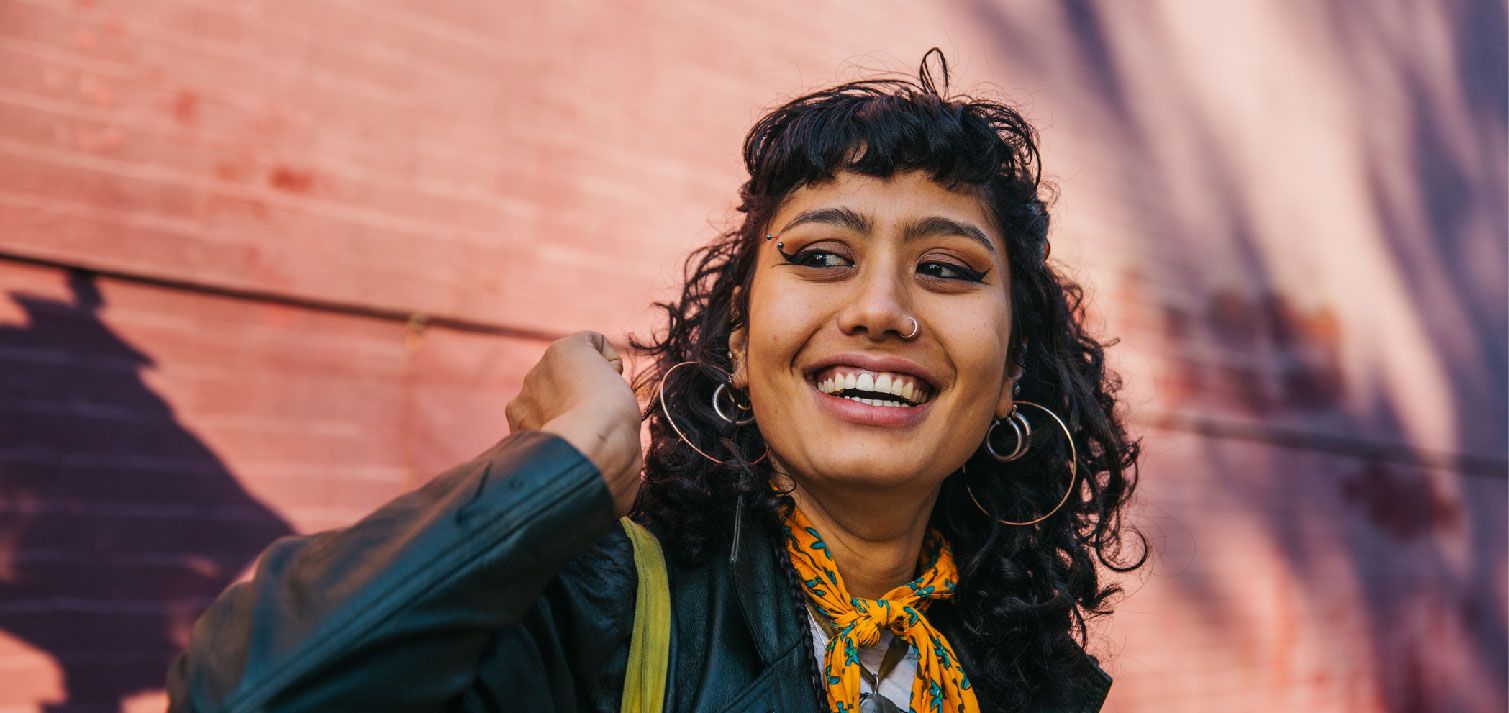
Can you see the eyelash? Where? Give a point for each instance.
(964, 272)
(803, 258)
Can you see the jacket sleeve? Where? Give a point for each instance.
(395, 612)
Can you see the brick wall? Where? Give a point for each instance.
(266, 264)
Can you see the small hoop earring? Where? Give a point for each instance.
(718, 408)
(671, 420)
(1073, 468)
(1023, 431)
(916, 327)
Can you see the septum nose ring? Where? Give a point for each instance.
(916, 327)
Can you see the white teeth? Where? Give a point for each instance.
(904, 388)
(885, 403)
(865, 382)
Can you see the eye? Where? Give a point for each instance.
(950, 271)
(815, 257)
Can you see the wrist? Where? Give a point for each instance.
(614, 454)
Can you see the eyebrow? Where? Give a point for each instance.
(927, 227)
(938, 225)
(841, 217)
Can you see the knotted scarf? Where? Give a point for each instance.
(940, 684)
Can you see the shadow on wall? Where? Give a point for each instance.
(1410, 539)
(117, 525)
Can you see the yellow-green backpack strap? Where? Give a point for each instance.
(650, 647)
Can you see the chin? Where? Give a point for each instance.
(880, 471)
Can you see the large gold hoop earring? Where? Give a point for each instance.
(672, 420)
(1073, 467)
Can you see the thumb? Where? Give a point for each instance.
(605, 348)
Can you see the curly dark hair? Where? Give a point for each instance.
(1025, 592)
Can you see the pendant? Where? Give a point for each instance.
(876, 703)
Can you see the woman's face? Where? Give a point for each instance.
(827, 326)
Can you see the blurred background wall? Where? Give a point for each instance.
(265, 264)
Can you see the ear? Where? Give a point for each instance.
(1013, 373)
(1003, 405)
(738, 344)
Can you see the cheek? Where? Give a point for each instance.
(775, 339)
(979, 352)
(781, 322)
(983, 377)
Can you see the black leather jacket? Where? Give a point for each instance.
(502, 585)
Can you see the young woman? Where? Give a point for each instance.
(884, 468)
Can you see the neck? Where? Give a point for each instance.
(874, 537)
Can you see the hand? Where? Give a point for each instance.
(577, 391)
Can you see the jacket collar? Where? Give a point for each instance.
(761, 586)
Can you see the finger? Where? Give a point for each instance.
(605, 348)
(613, 357)
(515, 415)
(596, 339)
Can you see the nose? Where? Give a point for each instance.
(879, 307)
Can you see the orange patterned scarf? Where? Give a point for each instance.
(940, 684)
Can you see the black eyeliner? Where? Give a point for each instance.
(965, 273)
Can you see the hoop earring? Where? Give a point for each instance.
(717, 408)
(1073, 469)
(671, 420)
(1023, 431)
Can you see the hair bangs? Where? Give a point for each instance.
(880, 128)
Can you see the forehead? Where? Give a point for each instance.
(905, 197)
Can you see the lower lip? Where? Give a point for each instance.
(867, 415)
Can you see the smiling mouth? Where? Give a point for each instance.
(874, 388)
